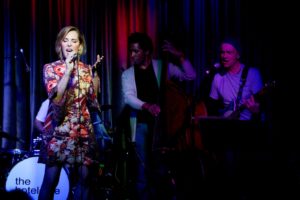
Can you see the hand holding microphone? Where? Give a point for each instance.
(71, 61)
(74, 58)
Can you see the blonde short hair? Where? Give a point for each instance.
(61, 35)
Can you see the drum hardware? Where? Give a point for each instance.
(35, 152)
(36, 144)
(9, 158)
(13, 156)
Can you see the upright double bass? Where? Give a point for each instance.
(171, 123)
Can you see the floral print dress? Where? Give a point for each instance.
(70, 137)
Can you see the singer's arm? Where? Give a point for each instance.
(62, 84)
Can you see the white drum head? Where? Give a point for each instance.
(28, 175)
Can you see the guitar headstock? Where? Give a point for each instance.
(267, 87)
(270, 84)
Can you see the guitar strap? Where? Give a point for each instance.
(242, 84)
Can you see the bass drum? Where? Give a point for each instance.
(27, 176)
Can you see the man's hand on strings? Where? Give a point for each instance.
(252, 105)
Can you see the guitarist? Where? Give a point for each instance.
(234, 88)
(236, 96)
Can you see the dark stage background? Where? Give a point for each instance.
(31, 26)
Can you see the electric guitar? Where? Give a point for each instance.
(239, 108)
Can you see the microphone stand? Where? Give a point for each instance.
(25, 61)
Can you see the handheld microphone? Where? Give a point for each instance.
(24, 59)
(75, 57)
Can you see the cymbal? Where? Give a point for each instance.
(15, 151)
